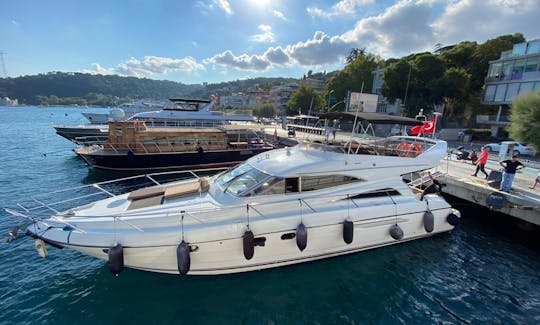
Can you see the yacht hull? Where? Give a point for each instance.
(225, 255)
(168, 160)
(83, 131)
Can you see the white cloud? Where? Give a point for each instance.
(406, 27)
(157, 65)
(225, 6)
(241, 62)
(400, 30)
(342, 8)
(493, 17)
(277, 56)
(267, 36)
(150, 65)
(207, 6)
(279, 15)
(321, 49)
(98, 69)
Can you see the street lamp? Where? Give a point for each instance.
(336, 104)
(329, 96)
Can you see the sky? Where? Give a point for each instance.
(196, 41)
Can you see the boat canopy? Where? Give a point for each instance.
(371, 118)
(190, 100)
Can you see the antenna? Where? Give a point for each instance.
(3, 64)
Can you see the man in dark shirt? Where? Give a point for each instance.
(510, 167)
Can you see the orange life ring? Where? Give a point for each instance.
(417, 147)
(404, 149)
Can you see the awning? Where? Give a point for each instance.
(375, 118)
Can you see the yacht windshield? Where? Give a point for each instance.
(225, 178)
(246, 181)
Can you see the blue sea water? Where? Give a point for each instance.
(486, 271)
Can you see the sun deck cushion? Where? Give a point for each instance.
(144, 193)
(146, 202)
(182, 190)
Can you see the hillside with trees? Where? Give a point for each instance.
(108, 90)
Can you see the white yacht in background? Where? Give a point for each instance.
(126, 110)
(281, 207)
(182, 113)
(189, 113)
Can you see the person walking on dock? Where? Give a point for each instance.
(481, 162)
(510, 168)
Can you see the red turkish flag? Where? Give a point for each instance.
(427, 127)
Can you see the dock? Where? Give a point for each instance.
(522, 202)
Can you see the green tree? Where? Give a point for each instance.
(358, 71)
(395, 80)
(354, 54)
(419, 79)
(302, 99)
(525, 117)
(459, 56)
(454, 87)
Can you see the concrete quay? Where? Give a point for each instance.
(522, 203)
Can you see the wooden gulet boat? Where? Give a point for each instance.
(132, 146)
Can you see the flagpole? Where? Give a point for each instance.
(355, 118)
(435, 125)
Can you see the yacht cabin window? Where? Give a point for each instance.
(225, 178)
(313, 183)
(385, 192)
(292, 185)
(273, 185)
(249, 181)
(246, 181)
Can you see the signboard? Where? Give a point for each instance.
(363, 102)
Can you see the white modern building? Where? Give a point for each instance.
(517, 71)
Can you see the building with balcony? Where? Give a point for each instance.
(517, 71)
(279, 95)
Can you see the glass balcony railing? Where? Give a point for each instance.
(533, 75)
(491, 119)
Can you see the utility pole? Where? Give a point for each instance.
(407, 86)
(3, 64)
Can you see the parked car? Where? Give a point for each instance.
(519, 148)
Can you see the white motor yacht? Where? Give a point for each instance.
(126, 110)
(281, 207)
